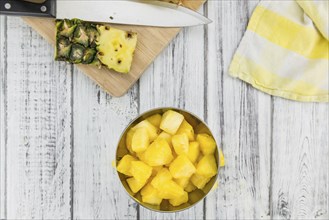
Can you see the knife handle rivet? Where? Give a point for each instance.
(7, 6)
(43, 8)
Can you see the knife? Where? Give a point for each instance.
(134, 12)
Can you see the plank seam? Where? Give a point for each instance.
(72, 146)
(270, 208)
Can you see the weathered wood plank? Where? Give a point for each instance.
(177, 79)
(3, 132)
(240, 118)
(38, 127)
(300, 160)
(99, 120)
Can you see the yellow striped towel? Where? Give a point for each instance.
(285, 50)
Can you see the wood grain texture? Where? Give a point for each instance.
(240, 118)
(98, 122)
(177, 82)
(300, 160)
(38, 128)
(151, 41)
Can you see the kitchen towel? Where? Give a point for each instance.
(285, 50)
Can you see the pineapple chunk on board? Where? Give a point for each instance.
(82, 42)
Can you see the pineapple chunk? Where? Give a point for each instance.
(190, 187)
(166, 136)
(180, 143)
(150, 195)
(155, 170)
(124, 165)
(181, 167)
(134, 184)
(162, 176)
(182, 182)
(170, 190)
(151, 130)
(186, 128)
(140, 171)
(140, 140)
(116, 48)
(193, 151)
(129, 138)
(171, 121)
(207, 166)
(199, 181)
(221, 159)
(179, 200)
(158, 153)
(155, 120)
(207, 144)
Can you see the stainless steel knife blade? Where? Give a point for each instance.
(145, 13)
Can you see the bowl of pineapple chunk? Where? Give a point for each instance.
(167, 159)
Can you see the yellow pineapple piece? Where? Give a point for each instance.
(193, 151)
(155, 170)
(180, 143)
(141, 156)
(170, 190)
(158, 153)
(182, 182)
(189, 187)
(134, 184)
(221, 159)
(199, 181)
(125, 164)
(140, 140)
(162, 176)
(207, 166)
(166, 136)
(116, 48)
(129, 138)
(207, 144)
(150, 195)
(181, 167)
(140, 171)
(186, 128)
(171, 121)
(155, 120)
(179, 200)
(151, 129)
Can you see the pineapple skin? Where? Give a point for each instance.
(81, 42)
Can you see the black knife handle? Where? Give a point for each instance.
(45, 8)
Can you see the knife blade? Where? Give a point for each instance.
(145, 13)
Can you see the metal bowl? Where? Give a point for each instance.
(194, 196)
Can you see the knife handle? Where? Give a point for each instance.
(39, 8)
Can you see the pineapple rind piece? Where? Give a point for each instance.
(180, 143)
(207, 144)
(125, 164)
(171, 120)
(186, 128)
(182, 167)
(140, 140)
(179, 200)
(207, 166)
(140, 171)
(116, 48)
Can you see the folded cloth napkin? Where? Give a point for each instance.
(285, 50)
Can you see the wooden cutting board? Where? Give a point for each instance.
(151, 41)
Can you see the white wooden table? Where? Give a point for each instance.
(59, 130)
